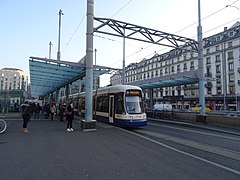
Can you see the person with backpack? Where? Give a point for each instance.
(26, 115)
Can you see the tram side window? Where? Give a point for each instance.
(119, 104)
(102, 103)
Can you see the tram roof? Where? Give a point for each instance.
(49, 75)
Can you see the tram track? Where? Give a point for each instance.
(172, 143)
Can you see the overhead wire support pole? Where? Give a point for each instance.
(89, 61)
(200, 64)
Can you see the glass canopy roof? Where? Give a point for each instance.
(182, 78)
(49, 75)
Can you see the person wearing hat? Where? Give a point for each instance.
(26, 115)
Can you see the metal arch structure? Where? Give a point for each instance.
(139, 33)
(135, 32)
(49, 75)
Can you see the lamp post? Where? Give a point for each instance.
(59, 30)
(50, 47)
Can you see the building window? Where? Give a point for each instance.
(191, 65)
(229, 44)
(185, 66)
(232, 89)
(218, 48)
(208, 60)
(230, 55)
(218, 79)
(209, 71)
(230, 67)
(172, 68)
(219, 90)
(178, 67)
(217, 58)
(218, 69)
(209, 90)
(231, 77)
(166, 70)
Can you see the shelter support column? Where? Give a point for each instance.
(57, 96)
(67, 92)
(151, 98)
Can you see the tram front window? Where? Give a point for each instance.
(134, 104)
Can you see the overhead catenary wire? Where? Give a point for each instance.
(70, 39)
(230, 5)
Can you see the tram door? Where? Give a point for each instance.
(111, 108)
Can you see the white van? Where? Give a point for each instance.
(163, 107)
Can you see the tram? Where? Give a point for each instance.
(119, 105)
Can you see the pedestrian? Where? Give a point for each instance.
(37, 110)
(60, 109)
(26, 115)
(69, 116)
(53, 110)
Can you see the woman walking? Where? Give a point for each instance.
(26, 115)
(69, 116)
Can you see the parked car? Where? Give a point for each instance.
(162, 107)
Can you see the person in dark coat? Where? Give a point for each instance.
(69, 116)
(26, 115)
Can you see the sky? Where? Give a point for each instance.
(28, 26)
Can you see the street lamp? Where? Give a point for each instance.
(58, 53)
(50, 47)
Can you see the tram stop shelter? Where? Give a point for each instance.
(49, 75)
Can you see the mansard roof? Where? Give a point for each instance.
(226, 35)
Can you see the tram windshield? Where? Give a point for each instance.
(134, 104)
